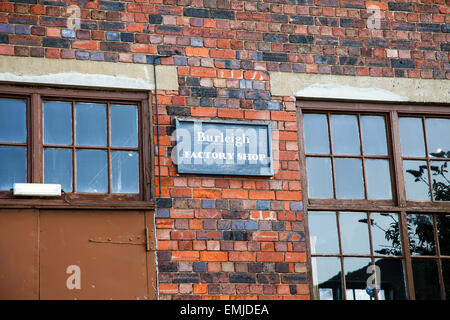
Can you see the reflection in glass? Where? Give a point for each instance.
(440, 180)
(320, 181)
(392, 284)
(125, 172)
(411, 137)
(438, 137)
(416, 180)
(421, 234)
(58, 167)
(323, 232)
(13, 123)
(386, 238)
(316, 133)
(378, 179)
(426, 279)
(13, 166)
(443, 227)
(356, 276)
(354, 233)
(327, 278)
(124, 126)
(92, 171)
(91, 124)
(446, 277)
(349, 178)
(57, 122)
(373, 131)
(345, 134)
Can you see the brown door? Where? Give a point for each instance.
(19, 254)
(78, 254)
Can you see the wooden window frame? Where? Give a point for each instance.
(399, 204)
(35, 148)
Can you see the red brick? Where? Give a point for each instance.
(257, 115)
(223, 54)
(256, 75)
(185, 255)
(197, 52)
(269, 257)
(261, 195)
(168, 288)
(231, 113)
(242, 256)
(295, 257)
(283, 116)
(234, 194)
(213, 256)
(6, 50)
(265, 236)
(203, 72)
(207, 193)
(289, 195)
(203, 112)
(86, 45)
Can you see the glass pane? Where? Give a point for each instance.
(320, 181)
(356, 278)
(316, 133)
(57, 122)
(440, 180)
(411, 137)
(446, 276)
(443, 227)
(386, 238)
(391, 278)
(327, 278)
(125, 172)
(124, 126)
(421, 234)
(345, 134)
(13, 166)
(378, 179)
(416, 180)
(354, 232)
(92, 171)
(13, 120)
(91, 124)
(426, 279)
(373, 131)
(349, 178)
(58, 167)
(323, 232)
(438, 137)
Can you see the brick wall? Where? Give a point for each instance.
(222, 237)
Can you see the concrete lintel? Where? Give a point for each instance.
(359, 88)
(83, 73)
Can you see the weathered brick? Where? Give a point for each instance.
(55, 42)
(400, 6)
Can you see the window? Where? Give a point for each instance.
(377, 195)
(95, 144)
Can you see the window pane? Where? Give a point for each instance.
(327, 278)
(92, 171)
(392, 284)
(349, 178)
(374, 135)
(345, 134)
(446, 276)
(416, 180)
(356, 277)
(316, 133)
(354, 232)
(443, 227)
(13, 166)
(440, 180)
(386, 238)
(91, 124)
(320, 181)
(378, 179)
(411, 137)
(438, 137)
(125, 172)
(323, 232)
(421, 234)
(13, 123)
(426, 279)
(124, 126)
(57, 122)
(58, 167)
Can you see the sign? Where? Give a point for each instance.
(224, 147)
